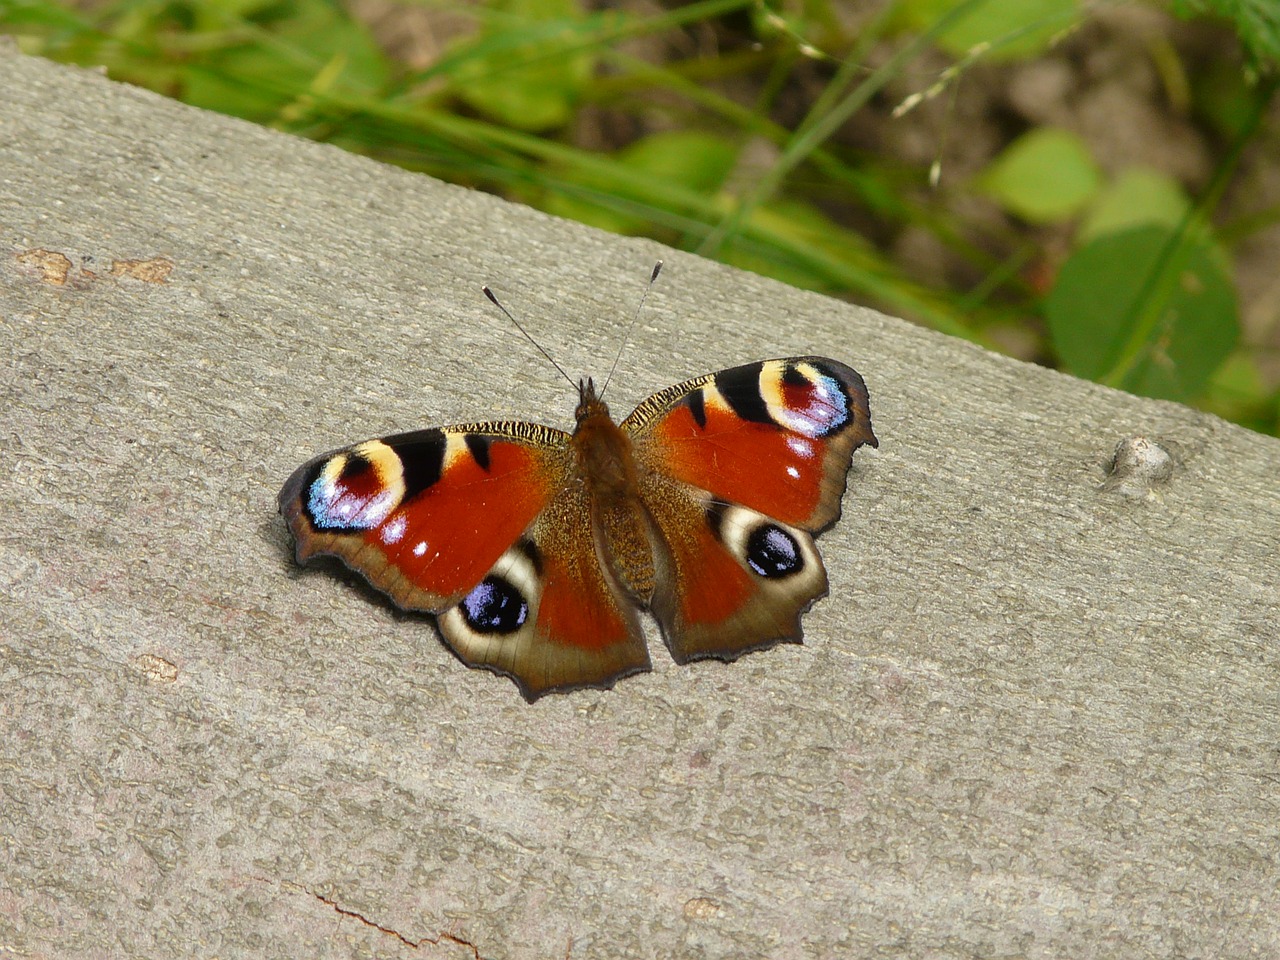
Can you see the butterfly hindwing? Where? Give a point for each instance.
(739, 470)
(547, 614)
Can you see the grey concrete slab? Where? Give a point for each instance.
(1035, 717)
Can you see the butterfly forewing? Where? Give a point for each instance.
(423, 516)
(776, 436)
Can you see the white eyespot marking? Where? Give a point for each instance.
(713, 399)
(793, 473)
(358, 489)
(420, 548)
(393, 532)
(804, 398)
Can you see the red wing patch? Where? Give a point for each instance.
(755, 464)
(578, 609)
(713, 586)
(447, 537)
(423, 516)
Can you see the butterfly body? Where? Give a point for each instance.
(536, 549)
(605, 466)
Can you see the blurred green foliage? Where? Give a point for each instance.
(1256, 21)
(1143, 299)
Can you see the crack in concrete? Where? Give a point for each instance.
(373, 924)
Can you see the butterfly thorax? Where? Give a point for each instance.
(606, 468)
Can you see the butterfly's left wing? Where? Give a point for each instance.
(740, 469)
(484, 526)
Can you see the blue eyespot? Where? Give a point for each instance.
(773, 553)
(495, 606)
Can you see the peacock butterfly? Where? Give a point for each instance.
(536, 549)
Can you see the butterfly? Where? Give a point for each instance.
(537, 549)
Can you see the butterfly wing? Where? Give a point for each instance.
(480, 524)
(740, 469)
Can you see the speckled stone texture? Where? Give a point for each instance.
(1036, 716)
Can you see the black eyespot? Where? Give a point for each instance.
(495, 606)
(791, 377)
(773, 553)
(355, 466)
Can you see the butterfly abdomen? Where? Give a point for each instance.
(620, 523)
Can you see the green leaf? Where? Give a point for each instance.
(1239, 392)
(1149, 310)
(1044, 176)
(691, 158)
(1015, 29)
(1137, 197)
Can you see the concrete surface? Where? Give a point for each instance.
(1036, 717)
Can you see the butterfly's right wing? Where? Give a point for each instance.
(740, 470)
(423, 516)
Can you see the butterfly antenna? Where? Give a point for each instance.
(489, 293)
(657, 269)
